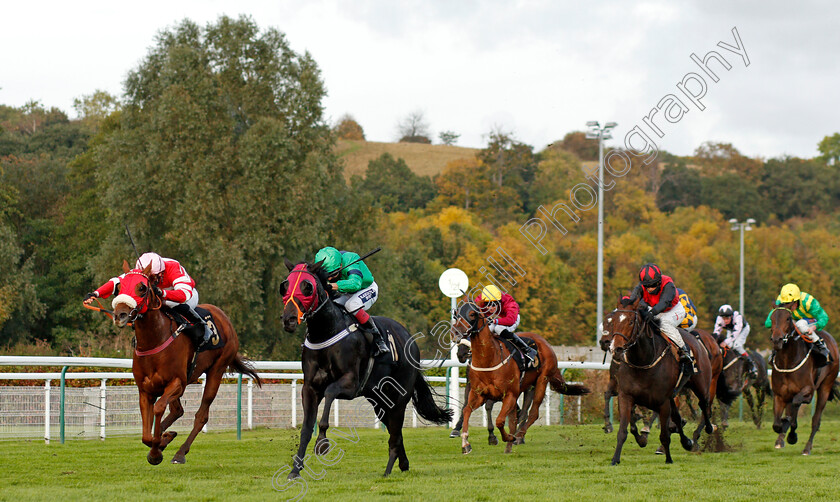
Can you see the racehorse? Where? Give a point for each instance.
(493, 375)
(735, 380)
(647, 376)
(522, 414)
(713, 352)
(337, 365)
(794, 378)
(162, 361)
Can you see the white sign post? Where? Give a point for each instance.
(453, 283)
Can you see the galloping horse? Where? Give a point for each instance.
(735, 380)
(337, 365)
(647, 375)
(715, 360)
(493, 375)
(162, 360)
(464, 355)
(795, 379)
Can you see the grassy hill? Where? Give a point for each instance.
(422, 159)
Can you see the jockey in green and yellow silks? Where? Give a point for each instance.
(808, 313)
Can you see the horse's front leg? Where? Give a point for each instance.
(310, 400)
(473, 402)
(343, 388)
(147, 417)
(625, 410)
(780, 423)
(608, 395)
(508, 407)
(172, 391)
(793, 413)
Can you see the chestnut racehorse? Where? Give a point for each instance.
(649, 374)
(494, 375)
(162, 358)
(794, 378)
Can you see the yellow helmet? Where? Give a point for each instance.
(491, 294)
(790, 293)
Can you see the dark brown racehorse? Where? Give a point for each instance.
(649, 373)
(794, 378)
(715, 359)
(735, 381)
(494, 375)
(161, 361)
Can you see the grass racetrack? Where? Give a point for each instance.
(557, 463)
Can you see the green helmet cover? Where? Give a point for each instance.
(331, 257)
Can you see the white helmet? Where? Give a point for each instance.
(154, 259)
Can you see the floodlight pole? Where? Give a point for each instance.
(601, 133)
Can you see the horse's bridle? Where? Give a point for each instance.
(793, 333)
(634, 333)
(134, 313)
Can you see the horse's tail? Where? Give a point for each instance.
(425, 405)
(835, 391)
(242, 365)
(555, 379)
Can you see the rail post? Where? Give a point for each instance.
(239, 407)
(47, 412)
(102, 409)
(61, 404)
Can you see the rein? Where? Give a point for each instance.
(792, 335)
(635, 339)
(474, 330)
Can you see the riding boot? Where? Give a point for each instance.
(529, 352)
(195, 319)
(822, 353)
(751, 369)
(687, 361)
(379, 345)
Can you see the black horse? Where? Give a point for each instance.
(337, 364)
(736, 380)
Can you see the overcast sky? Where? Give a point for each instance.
(538, 69)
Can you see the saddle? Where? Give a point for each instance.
(196, 331)
(519, 357)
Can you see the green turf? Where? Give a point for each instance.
(557, 463)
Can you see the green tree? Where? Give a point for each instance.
(223, 161)
(829, 147)
(393, 186)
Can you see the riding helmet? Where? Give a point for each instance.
(491, 294)
(650, 276)
(153, 258)
(331, 257)
(725, 311)
(790, 293)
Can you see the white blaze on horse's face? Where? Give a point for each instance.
(621, 318)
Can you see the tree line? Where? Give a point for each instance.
(219, 155)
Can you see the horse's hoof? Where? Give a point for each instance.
(642, 441)
(669, 461)
(780, 443)
(806, 453)
(608, 428)
(660, 450)
(519, 441)
(293, 475)
(646, 430)
(466, 449)
(493, 441)
(322, 448)
(455, 433)
(792, 437)
(615, 462)
(154, 460)
(509, 447)
(179, 459)
(686, 443)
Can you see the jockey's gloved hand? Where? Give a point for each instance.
(646, 314)
(92, 294)
(161, 293)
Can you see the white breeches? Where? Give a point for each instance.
(498, 328)
(361, 299)
(736, 342)
(192, 296)
(669, 320)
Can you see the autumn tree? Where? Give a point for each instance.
(348, 128)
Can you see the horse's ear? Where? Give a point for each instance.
(148, 270)
(125, 267)
(289, 264)
(317, 266)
